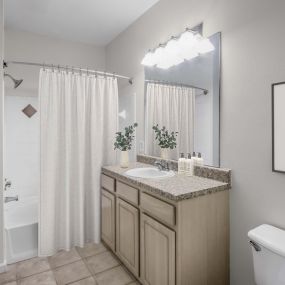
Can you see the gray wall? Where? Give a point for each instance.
(252, 58)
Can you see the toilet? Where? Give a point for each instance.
(268, 248)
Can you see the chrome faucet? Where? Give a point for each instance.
(162, 166)
(10, 199)
(8, 184)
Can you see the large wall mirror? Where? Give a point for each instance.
(185, 98)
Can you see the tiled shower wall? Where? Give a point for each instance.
(21, 146)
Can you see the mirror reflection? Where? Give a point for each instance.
(182, 100)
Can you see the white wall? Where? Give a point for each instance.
(252, 53)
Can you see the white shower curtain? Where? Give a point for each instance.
(78, 121)
(174, 108)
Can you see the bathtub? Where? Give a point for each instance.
(21, 226)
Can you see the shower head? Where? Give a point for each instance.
(17, 82)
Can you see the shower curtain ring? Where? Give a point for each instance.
(52, 68)
(58, 67)
(87, 72)
(72, 70)
(44, 68)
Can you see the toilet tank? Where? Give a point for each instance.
(268, 248)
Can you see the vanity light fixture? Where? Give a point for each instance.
(148, 59)
(204, 45)
(158, 54)
(170, 57)
(188, 45)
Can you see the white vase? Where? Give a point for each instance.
(124, 162)
(164, 152)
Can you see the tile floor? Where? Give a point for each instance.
(91, 265)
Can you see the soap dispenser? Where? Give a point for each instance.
(181, 164)
(189, 165)
(194, 158)
(200, 160)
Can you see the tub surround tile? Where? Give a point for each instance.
(32, 266)
(63, 257)
(12, 283)
(44, 278)
(91, 249)
(71, 272)
(86, 281)
(115, 276)
(9, 275)
(101, 262)
(176, 188)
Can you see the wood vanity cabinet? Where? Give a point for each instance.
(108, 218)
(166, 242)
(127, 235)
(157, 253)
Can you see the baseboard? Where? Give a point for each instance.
(20, 257)
(3, 267)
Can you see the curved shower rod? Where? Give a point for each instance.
(54, 66)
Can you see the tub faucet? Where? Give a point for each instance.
(8, 184)
(12, 198)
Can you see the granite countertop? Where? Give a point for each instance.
(177, 188)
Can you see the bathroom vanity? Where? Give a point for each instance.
(168, 231)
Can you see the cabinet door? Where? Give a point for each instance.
(108, 218)
(157, 253)
(127, 238)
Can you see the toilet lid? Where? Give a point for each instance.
(269, 237)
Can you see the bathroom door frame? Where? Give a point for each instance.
(2, 231)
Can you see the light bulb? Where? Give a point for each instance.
(148, 59)
(187, 45)
(170, 56)
(204, 45)
(158, 55)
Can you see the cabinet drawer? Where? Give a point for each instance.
(108, 182)
(159, 209)
(129, 193)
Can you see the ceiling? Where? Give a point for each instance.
(95, 22)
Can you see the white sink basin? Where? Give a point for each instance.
(149, 172)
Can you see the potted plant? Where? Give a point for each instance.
(166, 140)
(124, 143)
